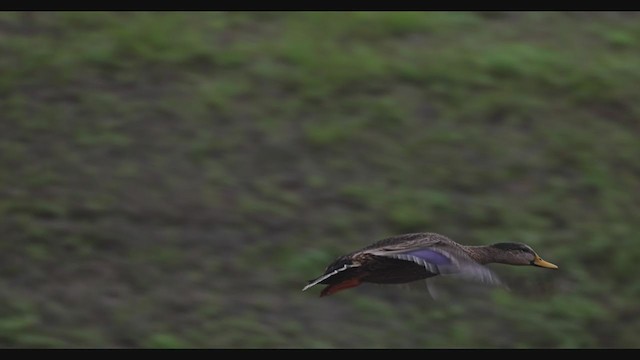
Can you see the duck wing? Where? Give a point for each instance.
(442, 258)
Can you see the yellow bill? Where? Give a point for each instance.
(545, 264)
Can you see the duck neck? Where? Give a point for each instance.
(485, 254)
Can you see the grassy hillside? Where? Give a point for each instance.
(174, 179)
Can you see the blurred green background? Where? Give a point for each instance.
(173, 179)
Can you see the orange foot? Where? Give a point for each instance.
(332, 289)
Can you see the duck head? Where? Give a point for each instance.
(519, 254)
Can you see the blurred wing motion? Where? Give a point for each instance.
(439, 261)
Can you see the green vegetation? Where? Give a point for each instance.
(172, 179)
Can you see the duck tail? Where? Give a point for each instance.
(347, 284)
(328, 275)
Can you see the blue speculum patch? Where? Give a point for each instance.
(431, 256)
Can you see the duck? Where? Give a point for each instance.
(410, 257)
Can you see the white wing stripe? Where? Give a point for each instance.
(325, 276)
